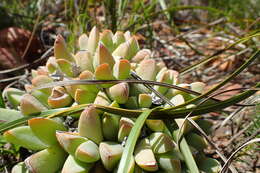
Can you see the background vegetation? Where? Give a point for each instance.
(180, 32)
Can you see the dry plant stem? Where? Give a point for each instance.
(250, 137)
(29, 65)
(96, 82)
(13, 78)
(213, 56)
(170, 103)
(225, 81)
(216, 22)
(227, 58)
(134, 75)
(217, 150)
(230, 159)
(239, 133)
(203, 101)
(179, 136)
(233, 114)
(33, 32)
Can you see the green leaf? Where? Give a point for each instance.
(8, 125)
(8, 115)
(23, 136)
(125, 162)
(225, 81)
(2, 104)
(45, 129)
(186, 152)
(214, 56)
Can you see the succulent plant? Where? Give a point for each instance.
(98, 141)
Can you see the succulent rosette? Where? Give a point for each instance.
(96, 139)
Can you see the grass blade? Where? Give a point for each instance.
(23, 120)
(214, 56)
(2, 104)
(121, 8)
(163, 113)
(131, 141)
(188, 157)
(229, 160)
(225, 81)
(164, 7)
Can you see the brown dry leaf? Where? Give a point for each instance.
(13, 42)
(226, 95)
(8, 58)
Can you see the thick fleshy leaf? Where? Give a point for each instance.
(8, 115)
(187, 126)
(209, 165)
(83, 42)
(45, 129)
(84, 60)
(169, 162)
(93, 40)
(198, 86)
(73, 165)
(127, 35)
(23, 136)
(134, 47)
(147, 69)
(40, 80)
(118, 38)
(121, 69)
(87, 152)
(176, 100)
(66, 67)
(84, 96)
(71, 89)
(187, 153)
(174, 76)
(61, 50)
(106, 37)
(125, 126)
(13, 96)
(132, 103)
(59, 98)
(141, 55)
(125, 163)
(144, 156)
(155, 125)
(19, 168)
(164, 77)
(132, 167)
(104, 72)
(102, 99)
(70, 141)
(196, 141)
(119, 92)
(173, 92)
(122, 51)
(205, 125)
(161, 143)
(88, 75)
(110, 125)
(90, 125)
(49, 160)
(103, 56)
(30, 105)
(110, 153)
(41, 97)
(145, 100)
(51, 65)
